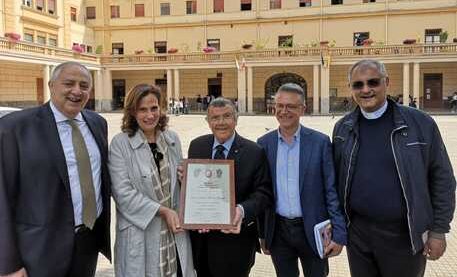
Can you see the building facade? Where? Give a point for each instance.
(240, 49)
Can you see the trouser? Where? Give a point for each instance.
(289, 245)
(382, 250)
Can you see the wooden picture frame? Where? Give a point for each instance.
(207, 198)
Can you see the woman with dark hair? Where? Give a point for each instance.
(143, 165)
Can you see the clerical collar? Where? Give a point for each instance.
(376, 114)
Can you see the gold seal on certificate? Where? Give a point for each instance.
(207, 194)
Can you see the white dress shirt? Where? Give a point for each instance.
(65, 132)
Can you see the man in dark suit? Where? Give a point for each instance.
(54, 183)
(303, 178)
(231, 253)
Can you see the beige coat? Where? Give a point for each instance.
(136, 250)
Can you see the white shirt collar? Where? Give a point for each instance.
(60, 117)
(376, 114)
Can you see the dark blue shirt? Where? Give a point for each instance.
(376, 191)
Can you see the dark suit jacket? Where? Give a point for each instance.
(36, 212)
(231, 254)
(318, 197)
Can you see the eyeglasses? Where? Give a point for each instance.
(225, 117)
(371, 83)
(288, 107)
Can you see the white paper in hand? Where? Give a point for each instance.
(323, 236)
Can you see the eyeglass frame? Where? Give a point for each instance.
(361, 84)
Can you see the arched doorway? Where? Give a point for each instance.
(274, 82)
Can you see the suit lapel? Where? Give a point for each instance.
(305, 154)
(51, 136)
(96, 132)
(274, 155)
(236, 149)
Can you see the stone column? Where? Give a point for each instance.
(169, 85)
(416, 83)
(46, 77)
(241, 90)
(325, 94)
(406, 84)
(250, 90)
(315, 89)
(98, 90)
(176, 83)
(106, 101)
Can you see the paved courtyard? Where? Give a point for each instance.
(252, 127)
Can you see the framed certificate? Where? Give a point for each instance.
(207, 194)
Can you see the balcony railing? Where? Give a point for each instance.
(280, 54)
(287, 53)
(29, 48)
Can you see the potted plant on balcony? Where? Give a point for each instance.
(443, 36)
(324, 43)
(367, 42)
(172, 50)
(13, 37)
(77, 49)
(209, 49)
(409, 41)
(99, 49)
(139, 52)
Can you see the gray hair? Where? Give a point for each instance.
(365, 64)
(292, 88)
(58, 69)
(221, 102)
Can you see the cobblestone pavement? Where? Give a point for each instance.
(190, 126)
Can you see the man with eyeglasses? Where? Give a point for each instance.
(231, 253)
(394, 179)
(303, 178)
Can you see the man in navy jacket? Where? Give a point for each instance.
(303, 177)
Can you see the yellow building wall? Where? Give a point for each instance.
(18, 83)
(193, 82)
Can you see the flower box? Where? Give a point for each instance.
(209, 49)
(324, 43)
(246, 46)
(172, 51)
(409, 41)
(13, 36)
(77, 48)
(139, 52)
(454, 40)
(367, 42)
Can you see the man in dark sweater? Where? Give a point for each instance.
(394, 179)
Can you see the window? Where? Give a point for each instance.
(359, 37)
(246, 5)
(90, 13)
(215, 43)
(28, 36)
(40, 5)
(139, 10)
(89, 49)
(51, 6)
(285, 41)
(52, 41)
(41, 39)
(191, 7)
(73, 14)
(432, 36)
(115, 12)
(337, 2)
(275, 4)
(305, 3)
(160, 47)
(118, 48)
(218, 6)
(164, 8)
(27, 3)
